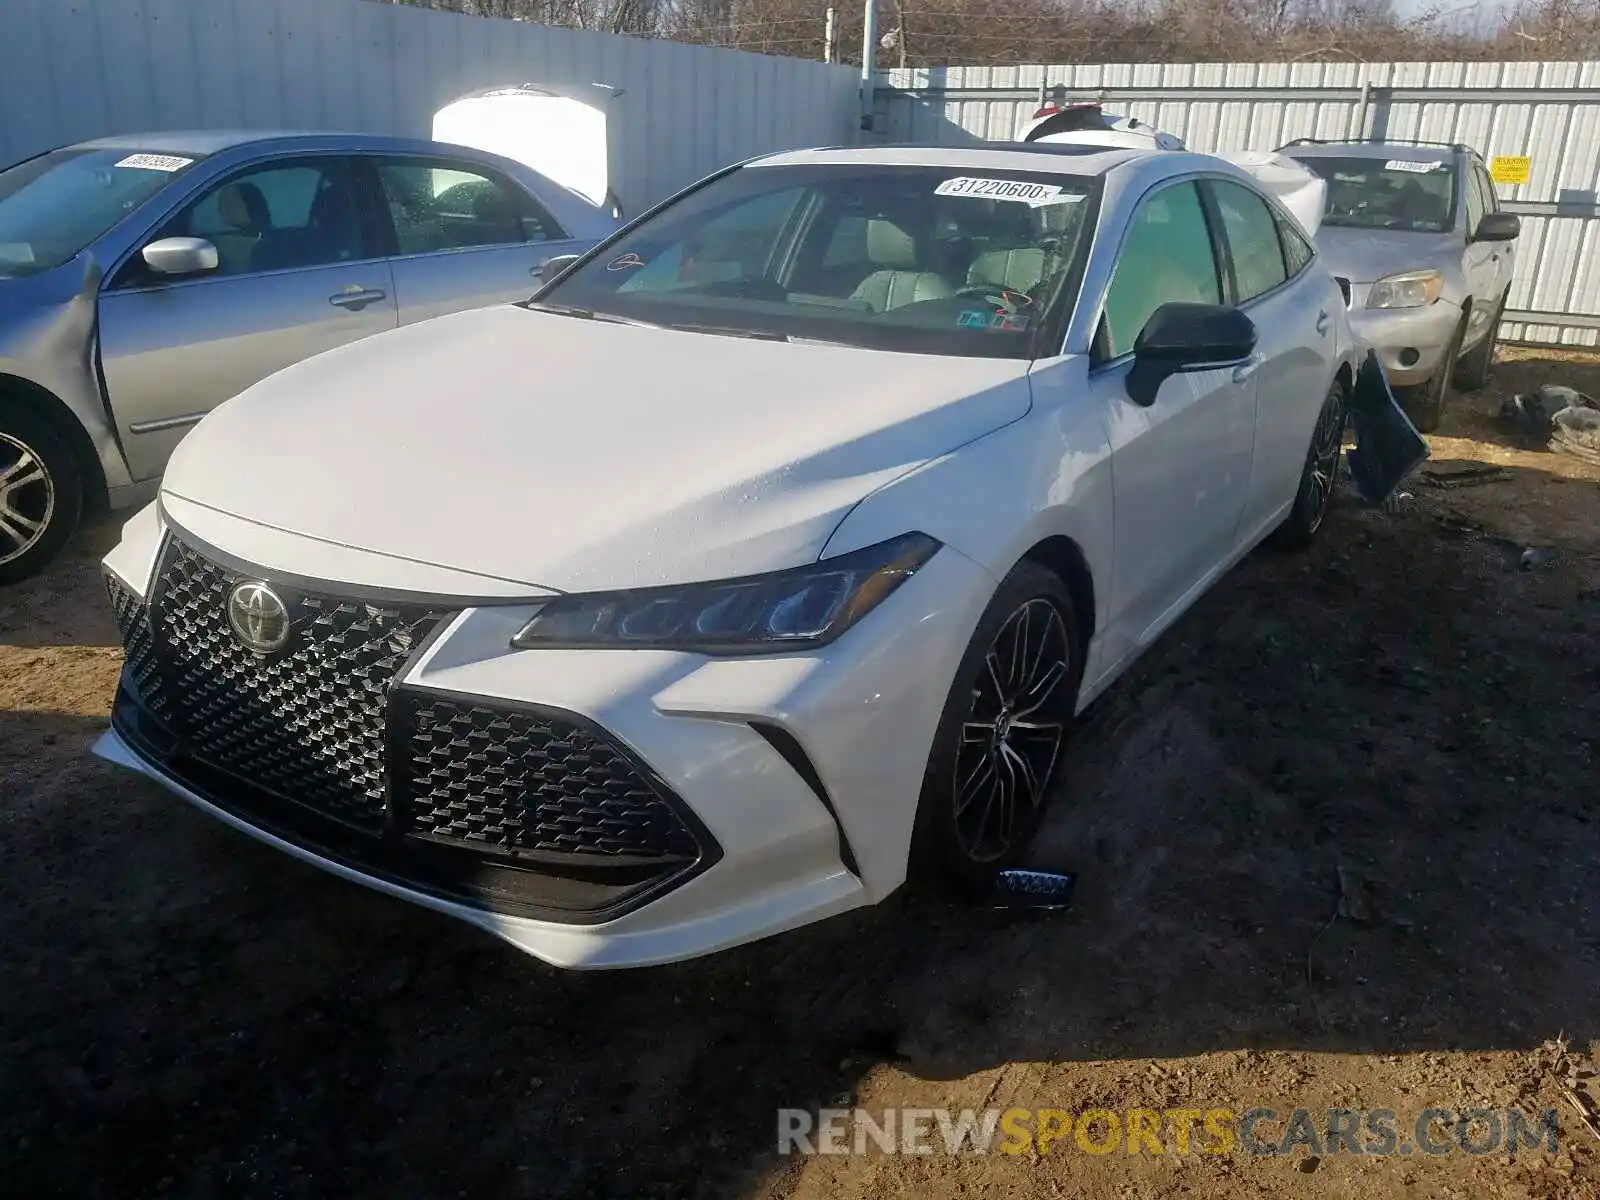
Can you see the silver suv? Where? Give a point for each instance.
(1415, 234)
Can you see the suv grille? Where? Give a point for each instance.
(524, 783)
(307, 724)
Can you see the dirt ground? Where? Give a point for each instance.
(1336, 842)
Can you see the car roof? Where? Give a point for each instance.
(1389, 151)
(1058, 157)
(200, 143)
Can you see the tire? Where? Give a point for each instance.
(1424, 402)
(1472, 372)
(41, 493)
(998, 754)
(1319, 478)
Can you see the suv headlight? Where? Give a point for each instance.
(1408, 289)
(759, 614)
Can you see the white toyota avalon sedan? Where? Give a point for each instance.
(763, 558)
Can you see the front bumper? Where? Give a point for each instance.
(1410, 342)
(796, 776)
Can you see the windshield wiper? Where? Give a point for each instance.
(761, 335)
(589, 314)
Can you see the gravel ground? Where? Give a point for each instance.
(1336, 845)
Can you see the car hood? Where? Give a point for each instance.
(1366, 255)
(581, 455)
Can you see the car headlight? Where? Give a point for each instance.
(1408, 289)
(794, 609)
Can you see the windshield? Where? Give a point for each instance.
(52, 206)
(1373, 193)
(933, 260)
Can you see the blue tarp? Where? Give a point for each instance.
(1388, 446)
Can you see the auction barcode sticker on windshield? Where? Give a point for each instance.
(1004, 189)
(155, 162)
(1416, 168)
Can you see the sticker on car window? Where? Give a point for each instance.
(155, 162)
(1416, 168)
(625, 262)
(1004, 189)
(983, 318)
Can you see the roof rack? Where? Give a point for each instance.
(1459, 147)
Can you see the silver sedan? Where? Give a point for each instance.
(144, 280)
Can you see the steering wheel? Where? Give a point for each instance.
(1007, 299)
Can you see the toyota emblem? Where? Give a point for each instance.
(258, 617)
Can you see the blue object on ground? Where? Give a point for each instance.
(1034, 891)
(1388, 446)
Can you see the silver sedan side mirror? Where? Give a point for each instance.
(180, 256)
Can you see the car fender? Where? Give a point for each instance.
(1047, 475)
(49, 359)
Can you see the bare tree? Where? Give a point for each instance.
(980, 32)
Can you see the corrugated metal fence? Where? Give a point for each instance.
(74, 69)
(1548, 111)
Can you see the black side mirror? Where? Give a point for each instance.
(1498, 227)
(1187, 337)
(552, 267)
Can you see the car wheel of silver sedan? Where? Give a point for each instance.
(40, 493)
(999, 741)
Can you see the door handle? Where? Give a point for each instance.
(355, 299)
(1248, 367)
(1322, 323)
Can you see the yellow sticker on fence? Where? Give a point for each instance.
(1513, 169)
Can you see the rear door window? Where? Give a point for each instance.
(437, 205)
(1254, 246)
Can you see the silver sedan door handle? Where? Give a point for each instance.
(355, 299)
(1248, 367)
(1322, 323)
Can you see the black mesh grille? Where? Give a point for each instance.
(516, 782)
(307, 724)
(514, 810)
(142, 666)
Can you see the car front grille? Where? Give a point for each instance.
(141, 665)
(509, 807)
(307, 724)
(522, 782)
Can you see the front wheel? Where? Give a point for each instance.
(1472, 372)
(999, 739)
(1424, 403)
(1319, 478)
(41, 493)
